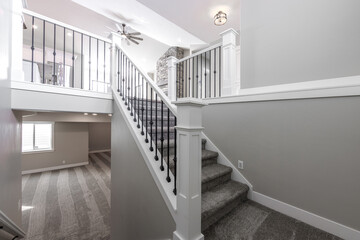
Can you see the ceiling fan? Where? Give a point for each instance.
(129, 36)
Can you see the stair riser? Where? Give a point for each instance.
(215, 182)
(216, 216)
(206, 162)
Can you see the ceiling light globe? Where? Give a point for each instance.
(220, 18)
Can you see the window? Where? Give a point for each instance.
(37, 136)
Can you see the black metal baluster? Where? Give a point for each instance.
(193, 77)
(142, 106)
(128, 84)
(201, 72)
(134, 86)
(151, 120)
(220, 71)
(175, 157)
(215, 72)
(89, 63)
(118, 71)
(73, 59)
(197, 76)
(44, 27)
(162, 137)
(104, 62)
(32, 48)
(126, 80)
(146, 128)
(182, 78)
(185, 78)
(123, 74)
(210, 75)
(131, 90)
(189, 77)
(205, 74)
(138, 100)
(54, 53)
(156, 128)
(64, 56)
(168, 146)
(82, 58)
(97, 64)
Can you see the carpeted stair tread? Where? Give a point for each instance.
(208, 154)
(217, 202)
(214, 171)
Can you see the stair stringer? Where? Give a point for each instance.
(165, 188)
(236, 175)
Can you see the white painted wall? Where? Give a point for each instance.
(10, 128)
(294, 41)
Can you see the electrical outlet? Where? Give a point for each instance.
(240, 164)
(64, 162)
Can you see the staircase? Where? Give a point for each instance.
(220, 194)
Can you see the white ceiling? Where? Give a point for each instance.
(143, 19)
(197, 16)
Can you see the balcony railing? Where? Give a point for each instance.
(61, 55)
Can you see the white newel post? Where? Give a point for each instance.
(189, 128)
(230, 84)
(171, 63)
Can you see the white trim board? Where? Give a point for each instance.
(336, 87)
(100, 151)
(54, 168)
(9, 226)
(307, 217)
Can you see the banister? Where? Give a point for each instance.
(200, 52)
(153, 85)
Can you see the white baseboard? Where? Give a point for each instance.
(100, 151)
(54, 168)
(307, 217)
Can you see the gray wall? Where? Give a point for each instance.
(294, 41)
(99, 136)
(71, 143)
(10, 127)
(138, 210)
(303, 152)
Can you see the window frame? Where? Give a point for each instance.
(52, 149)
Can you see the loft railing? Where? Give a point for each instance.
(199, 75)
(152, 115)
(58, 54)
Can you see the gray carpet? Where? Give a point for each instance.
(68, 204)
(252, 221)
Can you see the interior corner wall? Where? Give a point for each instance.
(10, 123)
(71, 144)
(99, 136)
(295, 41)
(302, 152)
(138, 210)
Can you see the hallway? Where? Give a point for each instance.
(69, 204)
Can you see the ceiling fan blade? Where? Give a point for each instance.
(134, 33)
(137, 38)
(133, 41)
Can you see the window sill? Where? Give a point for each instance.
(38, 151)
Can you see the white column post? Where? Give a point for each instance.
(230, 85)
(171, 63)
(189, 127)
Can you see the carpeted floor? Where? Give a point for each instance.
(252, 221)
(69, 204)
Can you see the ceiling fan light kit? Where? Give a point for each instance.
(220, 18)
